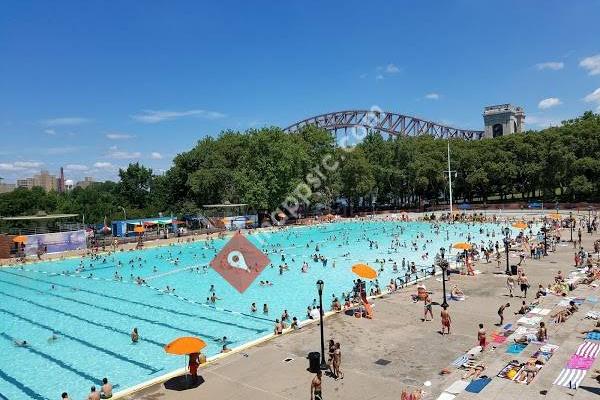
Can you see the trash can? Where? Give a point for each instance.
(314, 361)
(513, 269)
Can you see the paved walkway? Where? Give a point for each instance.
(415, 350)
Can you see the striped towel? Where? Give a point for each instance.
(588, 349)
(460, 360)
(579, 362)
(570, 378)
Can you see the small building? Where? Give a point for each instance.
(503, 119)
(125, 228)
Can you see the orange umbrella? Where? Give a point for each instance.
(519, 225)
(364, 271)
(555, 216)
(462, 246)
(139, 229)
(185, 345)
(20, 239)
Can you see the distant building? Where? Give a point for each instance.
(61, 181)
(503, 119)
(87, 181)
(7, 187)
(46, 181)
(26, 183)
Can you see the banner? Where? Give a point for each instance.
(55, 242)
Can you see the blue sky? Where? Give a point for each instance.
(93, 85)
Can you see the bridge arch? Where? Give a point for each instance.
(391, 123)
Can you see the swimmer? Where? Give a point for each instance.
(135, 337)
(52, 338)
(21, 343)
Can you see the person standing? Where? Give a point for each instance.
(316, 390)
(193, 364)
(501, 313)
(446, 320)
(482, 337)
(106, 389)
(337, 361)
(524, 284)
(428, 308)
(510, 284)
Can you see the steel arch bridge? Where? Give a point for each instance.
(391, 123)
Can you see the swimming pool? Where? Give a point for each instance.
(92, 317)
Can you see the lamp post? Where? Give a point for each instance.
(320, 285)
(545, 228)
(506, 242)
(571, 224)
(444, 267)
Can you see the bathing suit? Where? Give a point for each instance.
(318, 395)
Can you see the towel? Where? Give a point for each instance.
(593, 314)
(588, 349)
(446, 396)
(593, 336)
(593, 299)
(457, 387)
(578, 362)
(460, 360)
(515, 348)
(549, 348)
(499, 339)
(536, 310)
(529, 321)
(507, 327)
(544, 311)
(570, 378)
(477, 385)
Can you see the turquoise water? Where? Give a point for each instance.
(93, 316)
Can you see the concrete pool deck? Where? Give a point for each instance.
(415, 350)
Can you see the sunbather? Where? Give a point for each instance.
(474, 372)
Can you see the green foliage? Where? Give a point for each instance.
(266, 168)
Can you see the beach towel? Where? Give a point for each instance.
(570, 378)
(593, 314)
(460, 360)
(544, 311)
(593, 336)
(522, 375)
(475, 350)
(515, 348)
(579, 362)
(510, 371)
(529, 321)
(549, 348)
(507, 327)
(588, 349)
(477, 385)
(446, 396)
(499, 339)
(457, 387)
(593, 299)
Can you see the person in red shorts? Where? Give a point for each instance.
(193, 366)
(481, 336)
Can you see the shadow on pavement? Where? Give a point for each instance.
(183, 382)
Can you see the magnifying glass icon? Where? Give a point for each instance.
(236, 260)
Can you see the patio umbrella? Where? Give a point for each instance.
(364, 271)
(20, 239)
(185, 345)
(462, 246)
(519, 225)
(555, 216)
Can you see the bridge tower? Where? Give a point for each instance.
(503, 119)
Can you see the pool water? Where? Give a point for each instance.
(92, 317)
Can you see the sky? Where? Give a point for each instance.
(95, 85)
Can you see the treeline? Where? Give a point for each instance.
(267, 168)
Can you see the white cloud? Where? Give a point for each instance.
(549, 103)
(592, 64)
(103, 165)
(552, 65)
(20, 166)
(379, 77)
(391, 69)
(119, 136)
(65, 121)
(593, 97)
(50, 131)
(114, 152)
(156, 155)
(156, 116)
(76, 167)
(432, 96)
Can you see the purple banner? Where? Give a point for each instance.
(55, 242)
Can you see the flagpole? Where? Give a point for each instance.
(449, 177)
